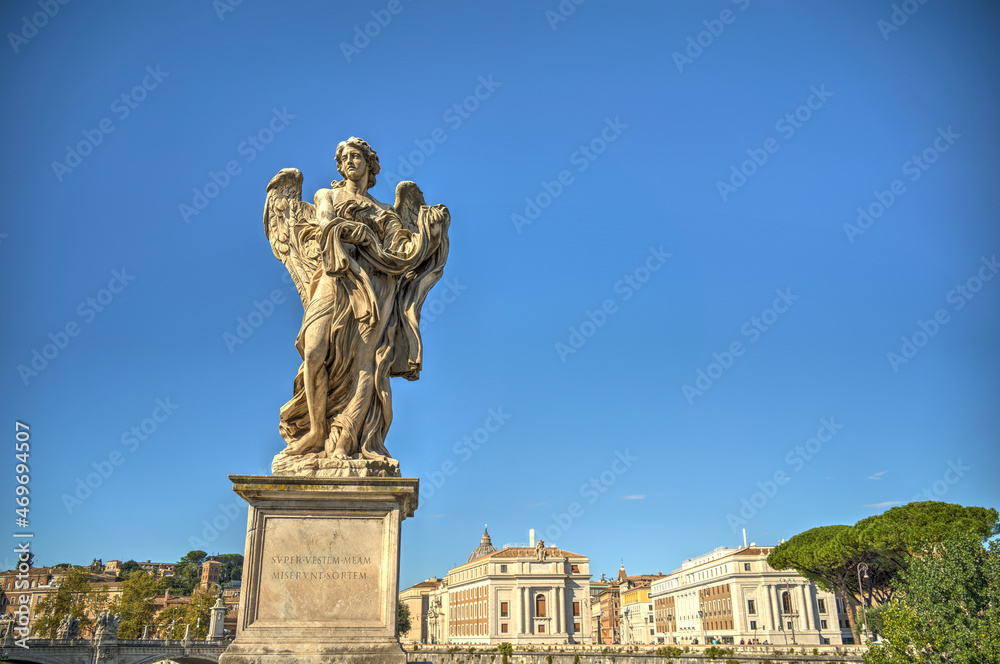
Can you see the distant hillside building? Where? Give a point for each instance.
(210, 573)
(729, 595)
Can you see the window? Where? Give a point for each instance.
(503, 569)
(822, 605)
(540, 606)
(541, 629)
(504, 610)
(753, 624)
(822, 624)
(576, 608)
(786, 602)
(789, 624)
(503, 628)
(575, 569)
(651, 632)
(746, 567)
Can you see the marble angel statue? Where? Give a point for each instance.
(362, 269)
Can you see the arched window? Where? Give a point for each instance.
(540, 606)
(786, 602)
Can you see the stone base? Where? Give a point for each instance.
(313, 465)
(321, 570)
(304, 652)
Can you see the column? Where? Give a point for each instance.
(773, 625)
(560, 627)
(520, 611)
(807, 618)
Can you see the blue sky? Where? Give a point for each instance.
(660, 287)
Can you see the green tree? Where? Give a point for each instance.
(403, 619)
(127, 568)
(198, 613)
(830, 555)
(187, 572)
(232, 567)
(170, 623)
(135, 604)
(75, 596)
(947, 609)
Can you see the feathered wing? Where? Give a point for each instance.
(409, 200)
(290, 226)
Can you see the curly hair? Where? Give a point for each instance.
(366, 150)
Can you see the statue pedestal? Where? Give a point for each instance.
(321, 569)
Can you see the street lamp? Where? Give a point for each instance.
(861, 591)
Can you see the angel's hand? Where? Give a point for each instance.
(353, 233)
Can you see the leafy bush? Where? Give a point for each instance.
(714, 652)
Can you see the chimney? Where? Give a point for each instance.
(531, 538)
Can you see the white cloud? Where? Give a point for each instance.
(878, 475)
(637, 496)
(888, 503)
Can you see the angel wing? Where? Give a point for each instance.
(409, 200)
(290, 226)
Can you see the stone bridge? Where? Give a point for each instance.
(85, 651)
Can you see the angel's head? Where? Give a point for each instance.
(354, 145)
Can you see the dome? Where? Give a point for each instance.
(485, 547)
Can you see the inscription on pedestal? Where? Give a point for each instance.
(322, 569)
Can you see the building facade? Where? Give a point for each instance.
(519, 595)
(732, 595)
(417, 599)
(637, 626)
